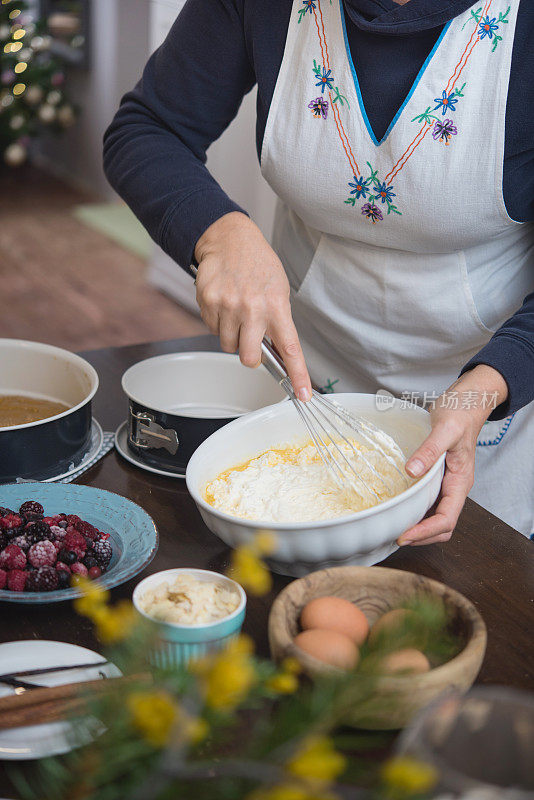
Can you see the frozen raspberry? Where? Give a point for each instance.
(73, 519)
(87, 530)
(79, 569)
(103, 536)
(3, 578)
(57, 545)
(94, 573)
(16, 580)
(11, 522)
(31, 507)
(37, 531)
(22, 542)
(102, 552)
(12, 558)
(61, 567)
(57, 532)
(51, 520)
(42, 554)
(44, 579)
(75, 541)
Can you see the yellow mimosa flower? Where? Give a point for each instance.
(405, 776)
(264, 543)
(250, 571)
(227, 676)
(283, 683)
(153, 714)
(317, 761)
(93, 597)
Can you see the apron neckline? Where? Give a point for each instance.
(408, 97)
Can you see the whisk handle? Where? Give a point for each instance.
(269, 357)
(272, 361)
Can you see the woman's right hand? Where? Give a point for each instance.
(243, 294)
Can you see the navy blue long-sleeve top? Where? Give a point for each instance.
(217, 50)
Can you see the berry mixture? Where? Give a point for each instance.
(40, 554)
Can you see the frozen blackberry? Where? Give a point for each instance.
(46, 579)
(4, 512)
(102, 552)
(37, 531)
(4, 539)
(32, 507)
(32, 584)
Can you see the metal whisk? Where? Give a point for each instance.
(325, 421)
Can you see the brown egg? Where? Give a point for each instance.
(392, 622)
(409, 661)
(329, 646)
(335, 614)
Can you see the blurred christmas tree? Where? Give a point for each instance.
(31, 83)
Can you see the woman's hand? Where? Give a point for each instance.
(454, 431)
(243, 294)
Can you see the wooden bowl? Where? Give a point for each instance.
(376, 590)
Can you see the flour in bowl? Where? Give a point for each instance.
(292, 484)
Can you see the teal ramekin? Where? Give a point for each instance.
(179, 644)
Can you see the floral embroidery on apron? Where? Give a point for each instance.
(375, 189)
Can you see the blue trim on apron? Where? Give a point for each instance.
(408, 96)
(500, 436)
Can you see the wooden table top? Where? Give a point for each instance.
(486, 560)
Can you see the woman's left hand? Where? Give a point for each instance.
(454, 432)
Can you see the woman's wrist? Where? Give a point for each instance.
(480, 390)
(227, 224)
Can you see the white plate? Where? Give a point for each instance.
(121, 443)
(53, 738)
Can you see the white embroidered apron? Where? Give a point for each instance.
(401, 256)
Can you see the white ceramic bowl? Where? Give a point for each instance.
(179, 644)
(363, 538)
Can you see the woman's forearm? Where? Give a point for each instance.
(510, 352)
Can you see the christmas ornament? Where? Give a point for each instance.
(7, 77)
(47, 113)
(34, 95)
(53, 97)
(16, 122)
(66, 116)
(25, 54)
(15, 155)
